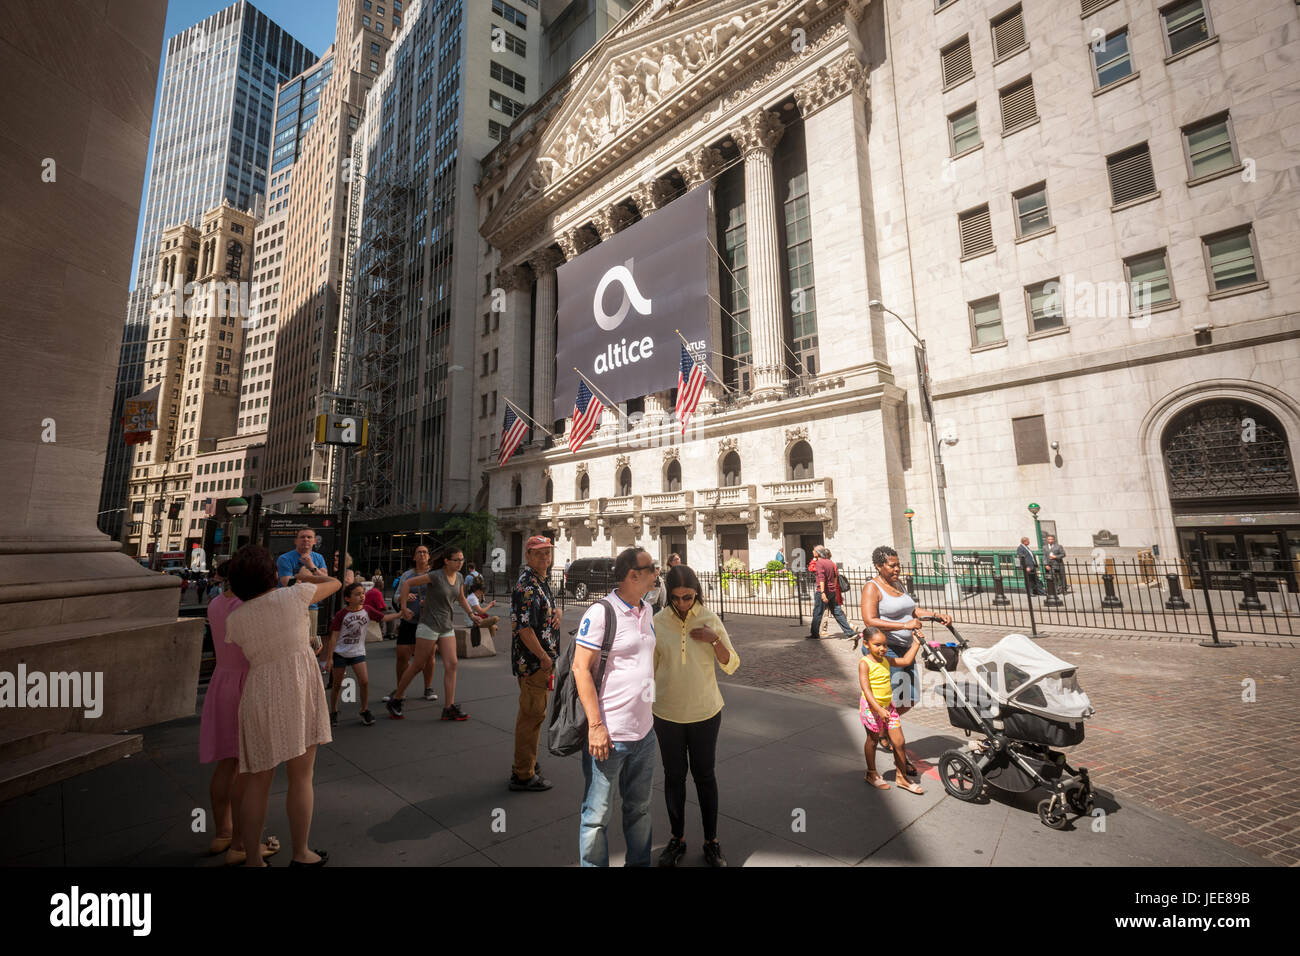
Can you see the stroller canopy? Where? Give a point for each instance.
(1019, 672)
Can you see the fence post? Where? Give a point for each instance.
(1029, 602)
(1111, 599)
(1205, 592)
(1053, 599)
(1000, 598)
(1250, 598)
(798, 593)
(1176, 600)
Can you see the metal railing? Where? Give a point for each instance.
(1140, 595)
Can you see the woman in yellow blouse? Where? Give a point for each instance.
(690, 642)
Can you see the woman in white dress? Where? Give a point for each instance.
(282, 712)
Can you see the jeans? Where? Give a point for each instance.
(699, 741)
(630, 767)
(820, 608)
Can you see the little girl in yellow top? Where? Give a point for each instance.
(877, 709)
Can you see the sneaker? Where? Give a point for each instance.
(390, 695)
(367, 718)
(536, 783)
(429, 694)
(713, 855)
(334, 718)
(673, 852)
(394, 706)
(453, 713)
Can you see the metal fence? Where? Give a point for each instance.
(1138, 595)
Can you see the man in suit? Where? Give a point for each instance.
(1029, 564)
(1056, 563)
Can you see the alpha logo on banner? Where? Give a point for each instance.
(620, 302)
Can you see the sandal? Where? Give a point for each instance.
(878, 782)
(909, 786)
(270, 847)
(218, 845)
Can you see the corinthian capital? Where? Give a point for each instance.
(568, 243)
(830, 83)
(610, 220)
(700, 165)
(544, 260)
(649, 196)
(761, 129)
(515, 278)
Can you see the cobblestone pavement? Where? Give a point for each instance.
(1175, 728)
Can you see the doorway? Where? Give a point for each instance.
(672, 541)
(733, 541)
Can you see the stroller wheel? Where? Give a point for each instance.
(1080, 799)
(1050, 814)
(961, 775)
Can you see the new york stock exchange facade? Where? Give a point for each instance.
(729, 175)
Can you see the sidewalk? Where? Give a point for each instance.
(424, 792)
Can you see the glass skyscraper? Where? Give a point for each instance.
(212, 141)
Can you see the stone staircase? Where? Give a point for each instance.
(31, 759)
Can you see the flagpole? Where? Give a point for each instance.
(518, 411)
(706, 365)
(602, 396)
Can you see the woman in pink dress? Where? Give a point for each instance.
(219, 730)
(282, 713)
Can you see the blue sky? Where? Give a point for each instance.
(311, 22)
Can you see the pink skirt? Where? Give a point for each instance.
(219, 725)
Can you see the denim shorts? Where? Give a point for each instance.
(425, 633)
(340, 661)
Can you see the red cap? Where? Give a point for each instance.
(537, 542)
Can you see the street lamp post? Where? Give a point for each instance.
(235, 507)
(909, 514)
(305, 493)
(1034, 508)
(938, 479)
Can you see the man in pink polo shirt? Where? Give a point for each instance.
(621, 745)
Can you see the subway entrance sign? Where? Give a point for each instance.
(342, 430)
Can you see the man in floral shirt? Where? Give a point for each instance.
(534, 646)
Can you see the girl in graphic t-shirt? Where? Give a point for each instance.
(347, 648)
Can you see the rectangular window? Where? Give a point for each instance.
(494, 360)
(1185, 25)
(374, 66)
(507, 76)
(1111, 60)
(1149, 285)
(1230, 259)
(1008, 33)
(1131, 175)
(485, 363)
(1031, 440)
(512, 42)
(509, 13)
(985, 322)
(505, 104)
(497, 131)
(963, 131)
(1032, 214)
(1090, 6)
(1209, 147)
(976, 232)
(1018, 106)
(1043, 303)
(956, 62)
(365, 21)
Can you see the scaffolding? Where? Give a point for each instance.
(378, 304)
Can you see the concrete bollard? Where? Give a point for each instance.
(1176, 600)
(1250, 598)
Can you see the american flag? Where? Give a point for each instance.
(513, 430)
(586, 416)
(690, 385)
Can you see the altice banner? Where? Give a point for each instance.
(620, 301)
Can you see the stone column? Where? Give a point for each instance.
(757, 136)
(834, 103)
(543, 264)
(516, 356)
(71, 600)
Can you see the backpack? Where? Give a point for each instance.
(843, 583)
(566, 731)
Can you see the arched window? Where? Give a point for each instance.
(1227, 449)
(625, 482)
(673, 476)
(519, 494)
(731, 470)
(548, 493)
(800, 461)
(584, 487)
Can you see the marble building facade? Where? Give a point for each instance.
(991, 174)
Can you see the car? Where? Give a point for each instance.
(590, 576)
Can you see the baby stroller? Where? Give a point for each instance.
(1025, 702)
